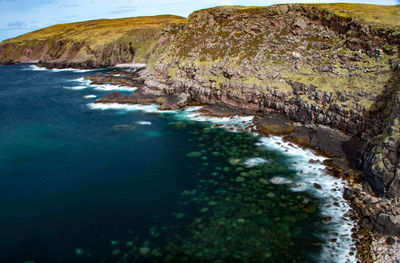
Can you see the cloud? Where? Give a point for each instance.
(68, 6)
(122, 10)
(17, 24)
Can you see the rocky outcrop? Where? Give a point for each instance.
(382, 216)
(306, 63)
(343, 150)
(382, 162)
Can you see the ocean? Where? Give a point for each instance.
(85, 182)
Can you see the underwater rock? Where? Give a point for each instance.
(193, 154)
(240, 179)
(79, 251)
(116, 252)
(129, 244)
(263, 181)
(234, 161)
(241, 221)
(122, 127)
(144, 250)
(114, 242)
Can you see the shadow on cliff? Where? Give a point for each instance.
(381, 156)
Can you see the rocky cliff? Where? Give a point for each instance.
(90, 44)
(334, 65)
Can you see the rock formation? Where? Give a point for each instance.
(335, 65)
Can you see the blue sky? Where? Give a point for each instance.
(21, 16)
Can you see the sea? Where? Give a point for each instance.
(86, 182)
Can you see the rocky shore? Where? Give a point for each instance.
(325, 77)
(379, 225)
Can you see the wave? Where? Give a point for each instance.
(252, 162)
(103, 87)
(37, 68)
(311, 176)
(90, 96)
(81, 80)
(109, 87)
(76, 87)
(143, 122)
(124, 107)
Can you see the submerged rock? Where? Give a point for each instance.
(240, 179)
(193, 154)
(144, 250)
(79, 252)
(122, 127)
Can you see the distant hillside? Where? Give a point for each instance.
(96, 43)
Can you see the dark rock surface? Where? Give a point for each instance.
(380, 215)
(221, 109)
(344, 150)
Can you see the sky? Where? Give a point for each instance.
(22, 16)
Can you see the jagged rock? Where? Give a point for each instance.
(176, 101)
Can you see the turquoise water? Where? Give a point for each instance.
(84, 185)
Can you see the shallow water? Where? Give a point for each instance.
(81, 182)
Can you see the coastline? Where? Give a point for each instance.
(323, 77)
(370, 247)
(207, 113)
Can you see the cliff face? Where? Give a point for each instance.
(382, 162)
(331, 64)
(90, 44)
(315, 64)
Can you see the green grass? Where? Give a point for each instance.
(375, 14)
(108, 39)
(97, 31)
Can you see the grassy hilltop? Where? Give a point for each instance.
(96, 43)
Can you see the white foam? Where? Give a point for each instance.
(90, 96)
(310, 174)
(280, 180)
(81, 80)
(197, 116)
(109, 87)
(76, 87)
(73, 70)
(124, 107)
(143, 122)
(36, 68)
(252, 162)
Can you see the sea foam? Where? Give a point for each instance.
(143, 122)
(109, 87)
(252, 162)
(76, 87)
(151, 108)
(90, 96)
(36, 68)
(309, 175)
(330, 193)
